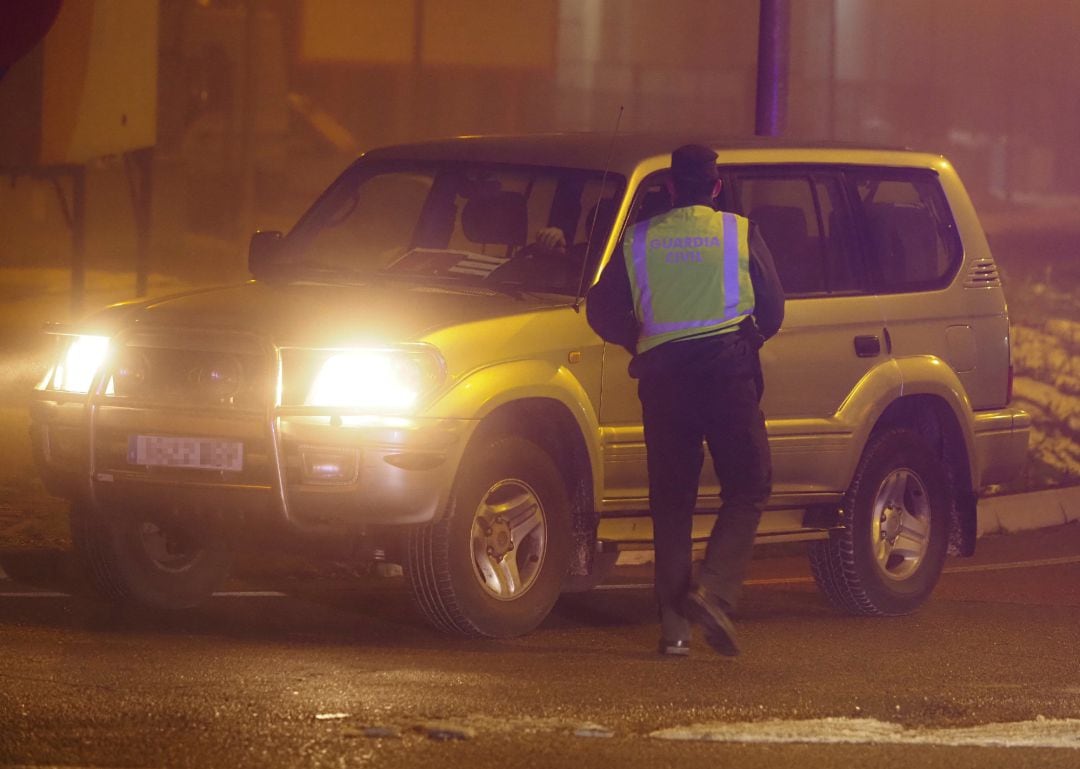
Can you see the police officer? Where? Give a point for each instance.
(693, 298)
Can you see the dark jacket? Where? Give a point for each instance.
(610, 303)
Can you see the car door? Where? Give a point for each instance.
(833, 331)
(626, 478)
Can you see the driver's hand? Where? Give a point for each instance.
(551, 239)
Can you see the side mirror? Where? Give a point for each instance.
(263, 249)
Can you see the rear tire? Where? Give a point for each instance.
(494, 564)
(133, 558)
(888, 557)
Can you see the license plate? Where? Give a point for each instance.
(176, 451)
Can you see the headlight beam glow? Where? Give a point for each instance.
(84, 357)
(368, 380)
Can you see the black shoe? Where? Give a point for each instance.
(719, 632)
(677, 648)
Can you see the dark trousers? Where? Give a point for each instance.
(704, 390)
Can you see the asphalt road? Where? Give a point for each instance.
(343, 673)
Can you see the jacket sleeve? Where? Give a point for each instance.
(609, 306)
(768, 292)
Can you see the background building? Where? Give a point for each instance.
(261, 102)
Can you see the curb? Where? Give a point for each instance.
(1033, 510)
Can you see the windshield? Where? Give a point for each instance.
(525, 228)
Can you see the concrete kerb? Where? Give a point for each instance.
(1033, 510)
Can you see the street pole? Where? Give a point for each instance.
(774, 36)
(78, 240)
(831, 126)
(139, 165)
(247, 120)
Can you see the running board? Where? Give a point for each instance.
(636, 532)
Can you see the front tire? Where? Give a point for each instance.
(494, 564)
(888, 557)
(151, 562)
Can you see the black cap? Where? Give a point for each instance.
(694, 163)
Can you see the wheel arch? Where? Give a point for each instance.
(484, 393)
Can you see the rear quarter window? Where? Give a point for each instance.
(911, 237)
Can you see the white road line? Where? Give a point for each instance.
(634, 586)
(649, 585)
(225, 594)
(1014, 565)
(781, 581)
(1040, 733)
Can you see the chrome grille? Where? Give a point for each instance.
(193, 370)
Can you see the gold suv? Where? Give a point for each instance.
(410, 372)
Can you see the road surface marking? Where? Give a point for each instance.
(1040, 733)
(225, 594)
(1014, 565)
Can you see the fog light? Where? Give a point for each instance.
(327, 465)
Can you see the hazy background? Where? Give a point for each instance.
(261, 102)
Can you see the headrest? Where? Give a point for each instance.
(500, 218)
(906, 241)
(602, 215)
(902, 218)
(780, 223)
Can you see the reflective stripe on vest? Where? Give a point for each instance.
(696, 312)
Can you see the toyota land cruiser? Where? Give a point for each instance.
(408, 371)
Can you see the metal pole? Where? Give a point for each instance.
(143, 162)
(247, 120)
(832, 70)
(78, 240)
(772, 76)
(411, 97)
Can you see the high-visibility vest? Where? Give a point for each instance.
(690, 274)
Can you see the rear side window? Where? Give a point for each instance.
(913, 244)
(805, 222)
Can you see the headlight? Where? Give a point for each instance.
(79, 363)
(374, 380)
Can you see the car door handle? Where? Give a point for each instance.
(867, 346)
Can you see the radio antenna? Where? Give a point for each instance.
(596, 215)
